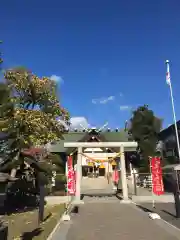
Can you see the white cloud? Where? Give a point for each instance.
(56, 78)
(94, 101)
(103, 100)
(125, 107)
(79, 122)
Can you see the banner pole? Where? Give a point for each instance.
(153, 200)
(108, 173)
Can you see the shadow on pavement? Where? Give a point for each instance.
(119, 196)
(173, 215)
(31, 235)
(144, 209)
(165, 210)
(97, 195)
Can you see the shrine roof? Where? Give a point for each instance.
(114, 136)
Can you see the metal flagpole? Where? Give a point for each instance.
(168, 80)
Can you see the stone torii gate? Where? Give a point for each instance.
(81, 145)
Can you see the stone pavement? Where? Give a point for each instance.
(95, 183)
(96, 186)
(113, 220)
(165, 210)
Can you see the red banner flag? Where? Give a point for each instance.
(70, 176)
(115, 176)
(156, 171)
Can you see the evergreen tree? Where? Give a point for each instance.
(144, 128)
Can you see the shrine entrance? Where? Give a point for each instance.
(99, 179)
(102, 172)
(97, 162)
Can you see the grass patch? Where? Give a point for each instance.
(24, 226)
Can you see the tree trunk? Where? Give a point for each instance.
(14, 170)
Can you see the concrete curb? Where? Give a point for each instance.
(50, 237)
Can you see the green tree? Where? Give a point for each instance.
(6, 117)
(57, 165)
(144, 128)
(56, 162)
(29, 111)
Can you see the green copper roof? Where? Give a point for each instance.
(121, 136)
(68, 137)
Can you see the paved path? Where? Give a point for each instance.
(113, 220)
(165, 210)
(96, 186)
(94, 183)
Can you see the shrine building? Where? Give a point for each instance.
(96, 153)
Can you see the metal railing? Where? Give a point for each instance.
(140, 184)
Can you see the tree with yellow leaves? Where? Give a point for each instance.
(35, 110)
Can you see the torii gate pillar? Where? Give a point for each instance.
(77, 199)
(123, 175)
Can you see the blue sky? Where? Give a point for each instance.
(109, 54)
